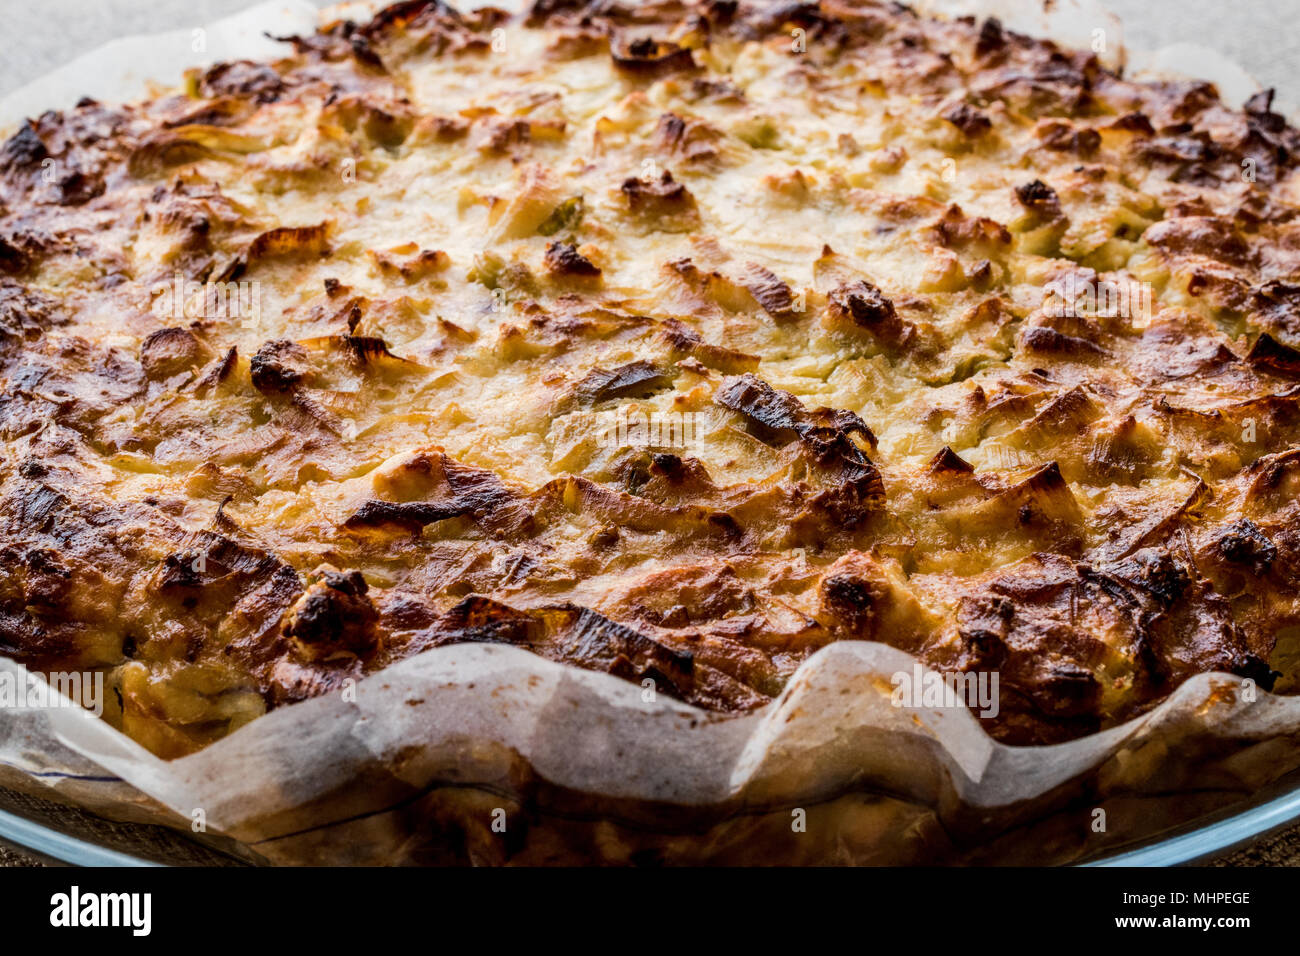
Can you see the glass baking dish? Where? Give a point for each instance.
(59, 834)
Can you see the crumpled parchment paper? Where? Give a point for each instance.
(487, 753)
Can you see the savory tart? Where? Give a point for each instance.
(670, 340)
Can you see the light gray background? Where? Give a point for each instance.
(1261, 35)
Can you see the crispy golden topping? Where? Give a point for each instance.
(674, 340)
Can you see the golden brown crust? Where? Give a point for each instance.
(805, 259)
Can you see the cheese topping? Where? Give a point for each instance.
(670, 340)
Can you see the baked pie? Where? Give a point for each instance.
(674, 340)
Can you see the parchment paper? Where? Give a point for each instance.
(487, 753)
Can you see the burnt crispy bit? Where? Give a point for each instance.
(1188, 99)
(25, 313)
(1158, 576)
(501, 135)
(671, 467)
(1190, 154)
(1272, 356)
(331, 44)
(649, 57)
(364, 349)
(1134, 122)
(571, 634)
(22, 150)
(448, 488)
(850, 485)
(423, 264)
(278, 367)
(333, 615)
(1261, 104)
(563, 258)
(1270, 141)
(1258, 207)
(35, 503)
(222, 111)
(1276, 304)
(210, 561)
(758, 401)
(865, 307)
(955, 229)
(1038, 196)
(409, 515)
(1017, 627)
(860, 598)
(217, 371)
(444, 129)
(947, 461)
(593, 640)
(801, 13)
(1182, 626)
(774, 295)
(47, 578)
(169, 351)
(1213, 237)
(982, 631)
(670, 130)
(434, 20)
(779, 411)
(992, 38)
(1243, 543)
(664, 195)
(686, 341)
(721, 91)
(693, 141)
(850, 599)
(1065, 137)
(541, 12)
(365, 53)
(409, 14)
(14, 255)
(74, 179)
(1059, 83)
(719, 11)
(968, 119)
(76, 188)
(480, 620)
(1041, 505)
(241, 78)
(864, 304)
(635, 379)
(360, 351)
(1049, 341)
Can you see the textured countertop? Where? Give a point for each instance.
(1259, 34)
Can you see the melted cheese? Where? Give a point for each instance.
(471, 261)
